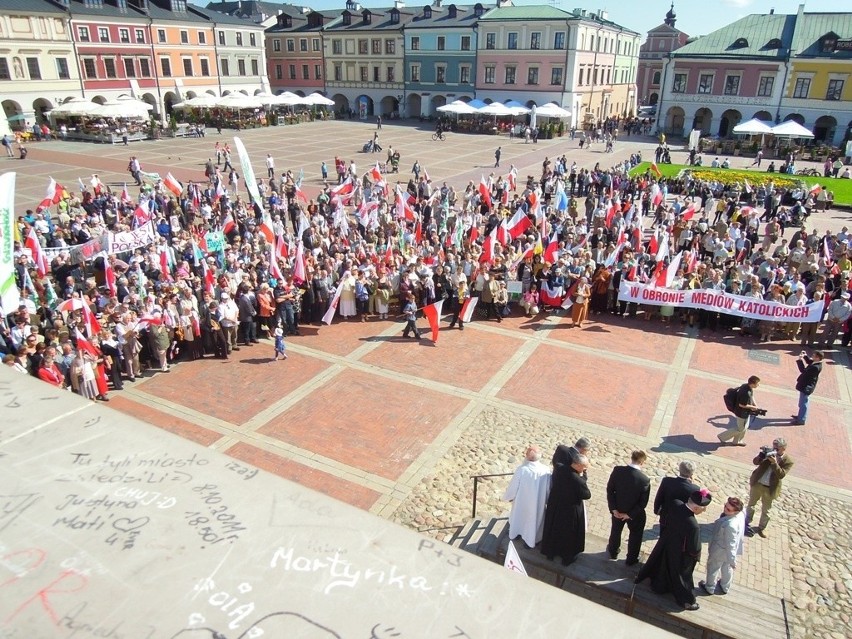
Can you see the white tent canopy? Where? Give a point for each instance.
(317, 99)
(495, 108)
(790, 129)
(753, 127)
(516, 108)
(459, 107)
(74, 106)
(205, 101)
(238, 101)
(552, 110)
(121, 109)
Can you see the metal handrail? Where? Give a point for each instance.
(476, 479)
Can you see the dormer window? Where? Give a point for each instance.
(427, 12)
(828, 42)
(740, 43)
(347, 18)
(774, 43)
(394, 14)
(286, 21)
(451, 12)
(477, 10)
(367, 17)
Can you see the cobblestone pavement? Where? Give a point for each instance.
(398, 428)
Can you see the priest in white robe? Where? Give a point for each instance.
(528, 493)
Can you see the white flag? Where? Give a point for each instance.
(513, 561)
(332, 308)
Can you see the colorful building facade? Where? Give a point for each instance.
(294, 49)
(660, 41)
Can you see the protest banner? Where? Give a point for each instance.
(719, 301)
(131, 240)
(9, 295)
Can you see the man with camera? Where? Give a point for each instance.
(773, 463)
(744, 409)
(809, 370)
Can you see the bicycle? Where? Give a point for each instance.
(438, 136)
(809, 172)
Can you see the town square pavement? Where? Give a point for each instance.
(398, 427)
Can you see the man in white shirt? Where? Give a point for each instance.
(270, 165)
(528, 491)
(230, 316)
(838, 312)
(726, 543)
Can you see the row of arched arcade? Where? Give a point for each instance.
(825, 128)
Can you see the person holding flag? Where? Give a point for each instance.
(409, 312)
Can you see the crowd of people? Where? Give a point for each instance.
(549, 513)
(564, 238)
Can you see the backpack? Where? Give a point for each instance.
(730, 398)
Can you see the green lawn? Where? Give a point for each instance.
(842, 189)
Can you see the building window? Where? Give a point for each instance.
(532, 75)
(89, 69)
(109, 68)
(835, 90)
(202, 37)
(510, 75)
(4, 69)
(253, 40)
(303, 44)
(655, 79)
(223, 65)
(338, 72)
(442, 43)
(390, 46)
(161, 35)
(365, 74)
(559, 40)
(391, 74)
(490, 40)
(377, 47)
(363, 47)
(83, 34)
(291, 69)
(336, 47)
(241, 68)
(144, 68)
(103, 34)
(679, 84)
(513, 40)
(732, 85)
(464, 75)
(306, 72)
(415, 43)
(291, 44)
(62, 69)
(765, 86)
(490, 72)
(377, 74)
(255, 67)
(239, 38)
(205, 66)
(535, 40)
(140, 36)
(316, 44)
(32, 68)
(129, 68)
(440, 73)
(415, 72)
(556, 75)
(278, 74)
(317, 72)
(124, 36)
(802, 88)
(465, 43)
(580, 78)
(187, 67)
(705, 83)
(184, 37)
(221, 38)
(276, 45)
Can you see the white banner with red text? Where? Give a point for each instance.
(719, 301)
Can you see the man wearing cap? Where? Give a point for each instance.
(528, 492)
(809, 371)
(772, 466)
(838, 312)
(673, 560)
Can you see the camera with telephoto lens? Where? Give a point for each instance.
(759, 412)
(767, 451)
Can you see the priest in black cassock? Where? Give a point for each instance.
(565, 515)
(678, 550)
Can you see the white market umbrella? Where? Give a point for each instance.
(140, 104)
(459, 107)
(496, 109)
(517, 108)
(317, 99)
(753, 127)
(74, 106)
(116, 109)
(790, 129)
(552, 110)
(238, 101)
(477, 104)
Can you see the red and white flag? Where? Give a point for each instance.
(344, 188)
(209, 277)
(376, 173)
(109, 275)
(466, 312)
(274, 269)
(332, 308)
(519, 224)
(93, 326)
(165, 269)
(40, 259)
(173, 185)
(551, 253)
(666, 275)
(141, 216)
(220, 190)
(656, 169)
(487, 255)
(149, 320)
(403, 209)
(85, 345)
(484, 191)
(51, 196)
(299, 265)
(433, 314)
(503, 232)
(96, 184)
(551, 296)
(228, 224)
(125, 195)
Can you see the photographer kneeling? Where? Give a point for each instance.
(745, 408)
(773, 464)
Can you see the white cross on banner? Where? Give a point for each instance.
(513, 561)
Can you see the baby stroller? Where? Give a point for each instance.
(371, 147)
(395, 162)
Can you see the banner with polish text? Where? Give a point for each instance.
(9, 295)
(719, 301)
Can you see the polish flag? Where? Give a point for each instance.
(96, 184)
(209, 277)
(220, 191)
(466, 312)
(418, 231)
(173, 185)
(637, 238)
(164, 266)
(581, 245)
(488, 247)
(376, 173)
(656, 195)
(125, 194)
(433, 314)
(40, 259)
(228, 224)
(690, 261)
(148, 320)
(815, 189)
(519, 224)
(485, 192)
(551, 253)
(109, 275)
(299, 266)
(474, 233)
(527, 253)
(85, 345)
(141, 216)
(665, 276)
(503, 232)
(93, 327)
(826, 252)
(389, 253)
(403, 209)
(513, 176)
(274, 269)
(51, 196)
(654, 244)
(343, 189)
(689, 212)
(332, 308)
(610, 260)
(265, 223)
(551, 296)
(426, 175)
(663, 250)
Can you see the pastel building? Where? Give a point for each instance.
(659, 42)
(440, 57)
(294, 50)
